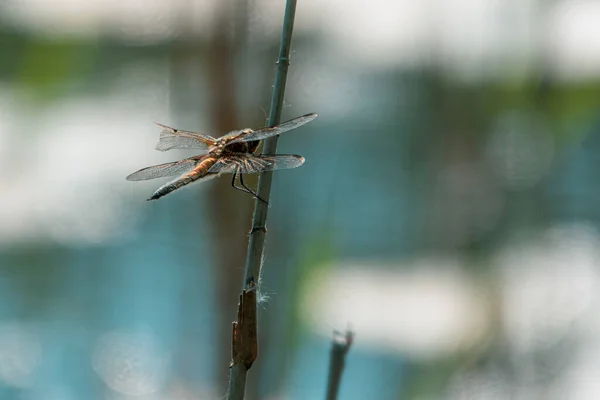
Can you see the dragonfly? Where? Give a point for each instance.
(232, 153)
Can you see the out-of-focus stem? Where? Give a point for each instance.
(340, 346)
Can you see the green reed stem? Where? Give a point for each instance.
(256, 244)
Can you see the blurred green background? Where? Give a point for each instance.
(447, 211)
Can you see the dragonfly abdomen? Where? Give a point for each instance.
(202, 168)
(199, 172)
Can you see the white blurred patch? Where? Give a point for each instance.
(546, 344)
(474, 39)
(574, 39)
(551, 283)
(63, 167)
(426, 309)
(131, 363)
(20, 354)
(488, 384)
(137, 21)
(580, 381)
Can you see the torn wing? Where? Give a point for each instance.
(171, 138)
(250, 135)
(169, 169)
(249, 164)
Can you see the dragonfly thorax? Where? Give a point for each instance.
(224, 146)
(240, 147)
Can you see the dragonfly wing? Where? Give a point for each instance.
(249, 164)
(171, 138)
(236, 133)
(168, 169)
(249, 136)
(280, 161)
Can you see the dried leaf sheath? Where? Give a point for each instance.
(244, 339)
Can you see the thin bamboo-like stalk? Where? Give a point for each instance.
(259, 229)
(244, 333)
(339, 348)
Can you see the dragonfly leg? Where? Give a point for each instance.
(250, 190)
(237, 187)
(244, 188)
(233, 180)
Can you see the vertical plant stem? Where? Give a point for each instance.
(259, 227)
(244, 334)
(339, 348)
